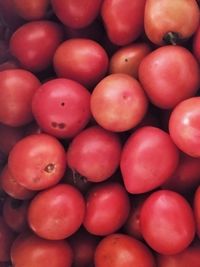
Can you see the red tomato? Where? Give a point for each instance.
(82, 60)
(61, 107)
(120, 250)
(56, 213)
(37, 161)
(31, 250)
(102, 217)
(123, 20)
(144, 166)
(94, 153)
(17, 87)
(34, 44)
(197, 209)
(118, 102)
(169, 75)
(184, 126)
(167, 222)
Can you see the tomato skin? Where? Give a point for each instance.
(102, 217)
(76, 14)
(94, 153)
(171, 215)
(178, 75)
(143, 164)
(121, 26)
(118, 102)
(24, 248)
(25, 44)
(184, 126)
(37, 161)
(197, 209)
(17, 87)
(164, 16)
(112, 248)
(56, 213)
(82, 60)
(61, 107)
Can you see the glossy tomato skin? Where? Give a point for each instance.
(197, 209)
(121, 25)
(184, 126)
(178, 77)
(24, 248)
(94, 153)
(37, 161)
(56, 213)
(34, 44)
(61, 107)
(102, 217)
(112, 249)
(169, 16)
(17, 87)
(118, 102)
(167, 222)
(82, 60)
(143, 164)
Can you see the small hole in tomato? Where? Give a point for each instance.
(63, 103)
(49, 168)
(61, 125)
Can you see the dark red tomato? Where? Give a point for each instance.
(127, 59)
(7, 237)
(61, 107)
(144, 166)
(82, 60)
(178, 77)
(34, 44)
(76, 14)
(15, 214)
(165, 20)
(17, 87)
(31, 10)
(118, 102)
(184, 126)
(120, 250)
(107, 208)
(188, 257)
(31, 250)
(56, 213)
(123, 20)
(94, 153)
(167, 222)
(12, 187)
(197, 209)
(37, 161)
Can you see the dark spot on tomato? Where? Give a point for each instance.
(49, 168)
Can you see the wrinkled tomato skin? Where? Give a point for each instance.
(197, 209)
(167, 222)
(143, 164)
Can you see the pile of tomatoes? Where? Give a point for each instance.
(99, 133)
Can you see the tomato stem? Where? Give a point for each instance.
(171, 38)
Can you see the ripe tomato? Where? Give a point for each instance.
(197, 209)
(167, 222)
(37, 161)
(57, 212)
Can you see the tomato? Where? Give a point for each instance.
(102, 217)
(37, 161)
(31, 250)
(61, 107)
(76, 14)
(167, 222)
(169, 75)
(143, 164)
(118, 102)
(82, 60)
(94, 153)
(196, 44)
(165, 20)
(197, 209)
(56, 213)
(34, 44)
(122, 27)
(17, 87)
(184, 126)
(120, 250)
